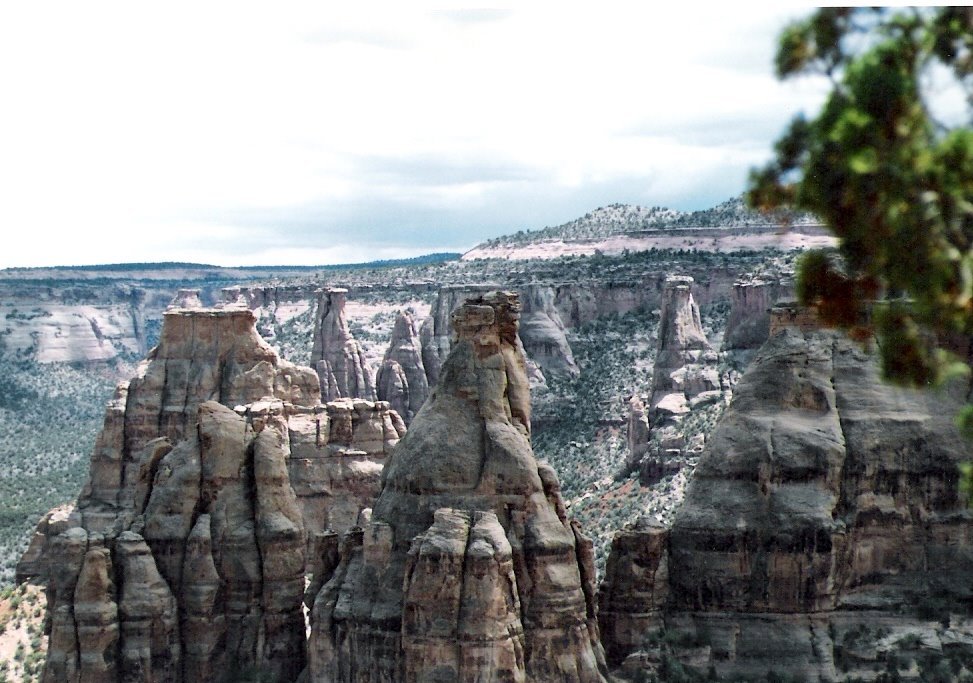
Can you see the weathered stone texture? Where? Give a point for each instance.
(825, 500)
(335, 355)
(401, 379)
(468, 568)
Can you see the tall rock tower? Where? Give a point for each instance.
(335, 355)
(469, 568)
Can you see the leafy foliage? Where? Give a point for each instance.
(894, 183)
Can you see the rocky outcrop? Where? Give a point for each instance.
(33, 563)
(436, 331)
(685, 364)
(542, 332)
(335, 355)
(401, 378)
(822, 526)
(185, 299)
(203, 355)
(204, 579)
(337, 452)
(748, 326)
(468, 568)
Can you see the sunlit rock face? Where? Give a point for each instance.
(401, 379)
(826, 501)
(335, 354)
(468, 568)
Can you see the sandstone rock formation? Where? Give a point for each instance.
(401, 379)
(823, 524)
(337, 452)
(33, 563)
(468, 568)
(185, 299)
(205, 577)
(203, 355)
(335, 355)
(436, 332)
(542, 332)
(748, 326)
(77, 324)
(685, 362)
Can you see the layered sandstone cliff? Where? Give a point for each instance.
(468, 568)
(401, 379)
(335, 355)
(78, 324)
(542, 332)
(823, 526)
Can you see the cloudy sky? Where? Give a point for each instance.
(288, 133)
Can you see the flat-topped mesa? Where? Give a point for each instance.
(437, 331)
(542, 332)
(823, 524)
(469, 568)
(685, 364)
(401, 379)
(203, 355)
(335, 355)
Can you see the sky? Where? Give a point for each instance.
(290, 133)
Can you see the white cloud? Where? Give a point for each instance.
(131, 129)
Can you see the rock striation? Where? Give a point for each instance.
(205, 578)
(335, 355)
(401, 379)
(748, 326)
(436, 331)
(823, 525)
(468, 568)
(203, 355)
(76, 324)
(542, 332)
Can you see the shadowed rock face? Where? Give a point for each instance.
(542, 332)
(203, 355)
(825, 500)
(748, 326)
(468, 568)
(335, 355)
(402, 378)
(205, 579)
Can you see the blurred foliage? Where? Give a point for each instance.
(889, 178)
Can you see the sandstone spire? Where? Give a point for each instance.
(335, 355)
(469, 568)
(401, 379)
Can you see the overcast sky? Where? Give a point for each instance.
(297, 134)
